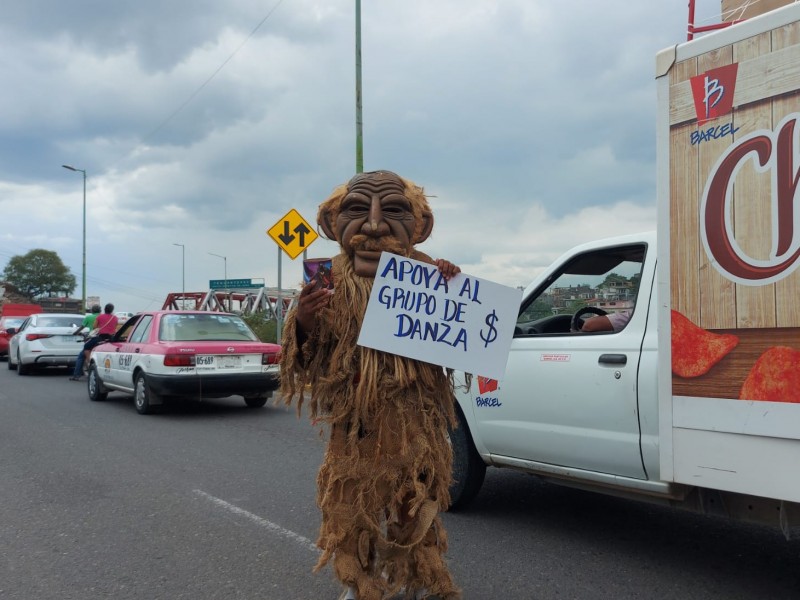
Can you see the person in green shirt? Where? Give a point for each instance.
(88, 320)
(88, 325)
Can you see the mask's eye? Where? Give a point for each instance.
(394, 211)
(355, 209)
(396, 208)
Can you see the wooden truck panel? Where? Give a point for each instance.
(729, 242)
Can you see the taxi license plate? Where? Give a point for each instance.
(219, 362)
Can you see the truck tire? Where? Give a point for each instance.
(256, 401)
(468, 466)
(143, 397)
(97, 393)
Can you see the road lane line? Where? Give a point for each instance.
(291, 535)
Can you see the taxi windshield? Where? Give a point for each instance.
(204, 327)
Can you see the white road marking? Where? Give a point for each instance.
(291, 535)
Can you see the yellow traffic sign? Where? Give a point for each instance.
(292, 233)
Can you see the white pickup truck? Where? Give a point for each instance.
(583, 409)
(695, 402)
(577, 407)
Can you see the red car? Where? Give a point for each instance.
(184, 353)
(5, 323)
(13, 315)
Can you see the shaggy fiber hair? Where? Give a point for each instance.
(387, 466)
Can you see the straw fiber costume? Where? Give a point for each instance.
(386, 470)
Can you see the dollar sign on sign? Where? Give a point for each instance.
(491, 334)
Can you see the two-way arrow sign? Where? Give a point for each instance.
(283, 232)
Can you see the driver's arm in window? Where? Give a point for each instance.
(612, 322)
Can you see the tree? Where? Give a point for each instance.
(539, 309)
(263, 325)
(39, 273)
(612, 278)
(574, 306)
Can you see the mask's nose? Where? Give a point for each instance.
(375, 224)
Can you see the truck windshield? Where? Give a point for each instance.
(606, 279)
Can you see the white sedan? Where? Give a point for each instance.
(45, 340)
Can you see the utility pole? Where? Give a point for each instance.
(359, 118)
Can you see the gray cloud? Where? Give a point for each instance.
(522, 117)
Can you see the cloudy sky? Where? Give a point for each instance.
(530, 123)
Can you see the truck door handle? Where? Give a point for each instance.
(613, 359)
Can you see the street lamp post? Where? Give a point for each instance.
(224, 258)
(83, 266)
(183, 275)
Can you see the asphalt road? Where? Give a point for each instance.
(216, 501)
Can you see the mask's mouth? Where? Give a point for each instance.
(371, 248)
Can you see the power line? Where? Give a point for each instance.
(213, 75)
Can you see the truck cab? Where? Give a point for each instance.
(573, 404)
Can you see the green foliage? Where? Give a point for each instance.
(539, 309)
(264, 326)
(40, 273)
(574, 305)
(613, 278)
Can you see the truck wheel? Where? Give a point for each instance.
(468, 466)
(21, 368)
(256, 401)
(97, 392)
(143, 397)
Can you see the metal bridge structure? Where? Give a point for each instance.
(241, 301)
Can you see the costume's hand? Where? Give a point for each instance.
(447, 268)
(308, 303)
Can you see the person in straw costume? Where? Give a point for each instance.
(387, 465)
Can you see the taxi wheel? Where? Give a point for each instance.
(97, 392)
(256, 401)
(143, 397)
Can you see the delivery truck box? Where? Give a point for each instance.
(729, 250)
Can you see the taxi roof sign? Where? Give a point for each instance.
(292, 233)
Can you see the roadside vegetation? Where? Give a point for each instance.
(264, 326)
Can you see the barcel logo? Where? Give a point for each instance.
(713, 98)
(487, 386)
(713, 92)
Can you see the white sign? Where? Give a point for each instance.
(465, 323)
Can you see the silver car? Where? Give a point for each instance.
(45, 340)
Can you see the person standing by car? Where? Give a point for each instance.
(86, 328)
(88, 320)
(106, 325)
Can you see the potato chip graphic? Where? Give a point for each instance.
(775, 376)
(695, 350)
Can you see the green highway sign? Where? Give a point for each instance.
(233, 284)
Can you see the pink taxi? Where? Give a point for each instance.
(184, 353)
